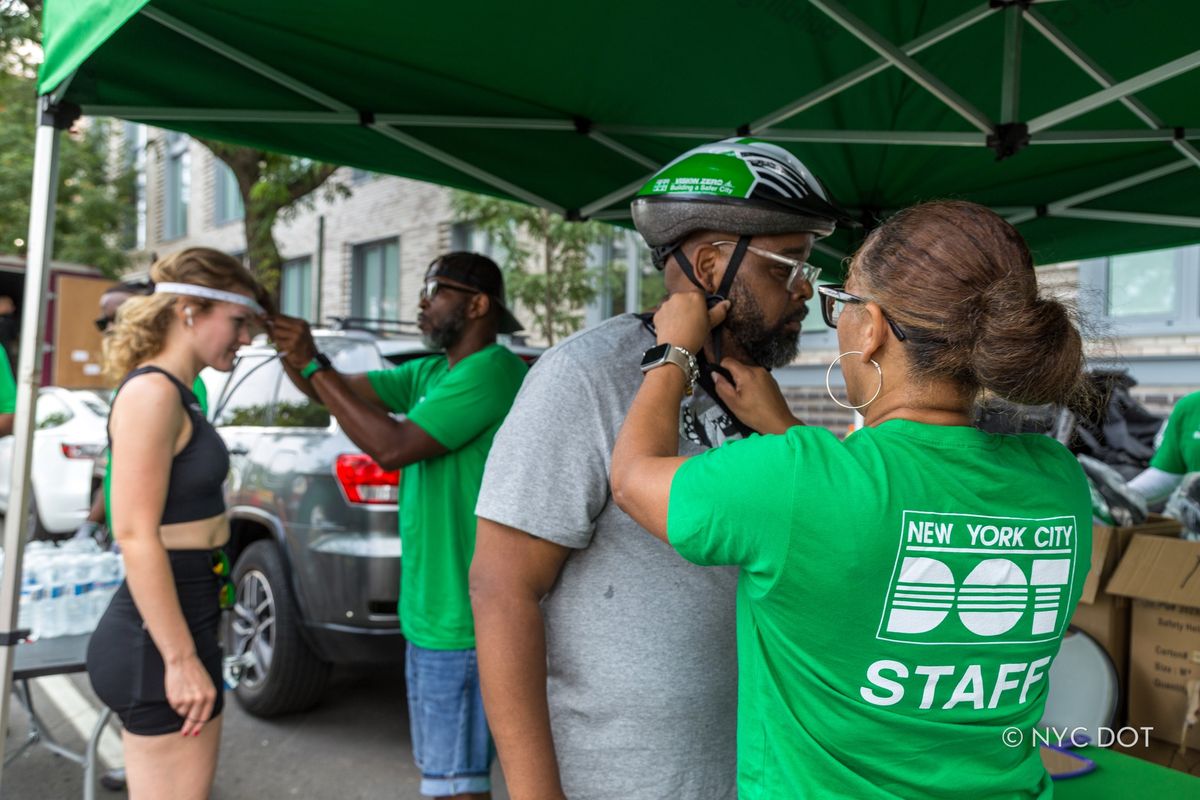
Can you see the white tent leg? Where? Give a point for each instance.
(29, 377)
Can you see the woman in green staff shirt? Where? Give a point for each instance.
(903, 592)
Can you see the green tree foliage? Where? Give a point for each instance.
(651, 288)
(544, 258)
(273, 186)
(93, 202)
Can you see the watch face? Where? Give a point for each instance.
(655, 354)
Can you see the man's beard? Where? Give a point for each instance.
(767, 347)
(445, 334)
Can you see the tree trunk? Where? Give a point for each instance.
(262, 254)
(250, 167)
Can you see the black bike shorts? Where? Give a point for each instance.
(126, 668)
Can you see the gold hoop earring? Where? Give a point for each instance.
(829, 371)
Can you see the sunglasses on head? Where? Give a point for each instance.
(103, 323)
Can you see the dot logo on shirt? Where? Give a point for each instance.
(973, 579)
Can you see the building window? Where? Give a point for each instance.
(1144, 284)
(227, 197)
(376, 280)
(295, 288)
(178, 186)
(815, 334)
(1144, 294)
(134, 162)
(465, 237)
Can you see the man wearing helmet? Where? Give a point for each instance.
(608, 662)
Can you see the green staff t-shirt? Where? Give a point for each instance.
(900, 599)
(462, 409)
(8, 386)
(1179, 452)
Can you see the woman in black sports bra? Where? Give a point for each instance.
(154, 657)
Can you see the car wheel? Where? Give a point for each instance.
(280, 673)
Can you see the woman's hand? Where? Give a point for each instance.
(190, 692)
(756, 399)
(685, 320)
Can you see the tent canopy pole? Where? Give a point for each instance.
(905, 64)
(53, 119)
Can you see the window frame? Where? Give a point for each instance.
(814, 333)
(233, 384)
(309, 298)
(223, 179)
(358, 297)
(1094, 290)
(177, 186)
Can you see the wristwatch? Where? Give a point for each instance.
(672, 354)
(319, 362)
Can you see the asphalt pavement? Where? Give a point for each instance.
(355, 744)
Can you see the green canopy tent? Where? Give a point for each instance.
(1075, 119)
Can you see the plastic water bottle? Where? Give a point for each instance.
(78, 588)
(53, 619)
(106, 577)
(30, 609)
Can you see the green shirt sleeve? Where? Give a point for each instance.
(395, 385)
(1170, 454)
(472, 398)
(733, 505)
(8, 386)
(201, 392)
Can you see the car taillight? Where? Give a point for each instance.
(82, 450)
(366, 482)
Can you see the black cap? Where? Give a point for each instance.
(478, 272)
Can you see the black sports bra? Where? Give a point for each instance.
(194, 488)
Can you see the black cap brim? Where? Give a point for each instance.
(508, 323)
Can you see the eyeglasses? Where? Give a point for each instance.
(800, 269)
(831, 311)
(103, 323)
(433, 286)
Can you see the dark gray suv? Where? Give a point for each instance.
(314, 544)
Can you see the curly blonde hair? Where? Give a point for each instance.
(142, 322)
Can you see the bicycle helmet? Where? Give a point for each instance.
(740, 186)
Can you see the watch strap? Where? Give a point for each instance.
(680, 357)
(319, 362)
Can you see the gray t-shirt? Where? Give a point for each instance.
(640, 644)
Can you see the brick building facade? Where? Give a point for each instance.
(344, 255)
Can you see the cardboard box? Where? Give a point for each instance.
(1101, 615)
(1162, 575)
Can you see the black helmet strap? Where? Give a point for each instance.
(722, 293)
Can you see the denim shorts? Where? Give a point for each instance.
(451, 741)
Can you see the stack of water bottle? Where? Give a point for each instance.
(65, 588)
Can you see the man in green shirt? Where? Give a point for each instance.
(8, 395)
(454, 404)
(1178, 453)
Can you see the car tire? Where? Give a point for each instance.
(281, 674)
